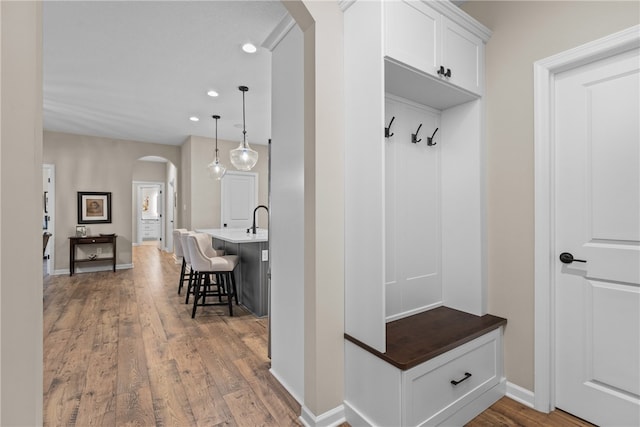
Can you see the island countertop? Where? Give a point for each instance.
(236, 235)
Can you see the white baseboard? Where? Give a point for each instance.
(333, 417)
(93, 269)
(520, 394)
(354, 417)
(286, 386)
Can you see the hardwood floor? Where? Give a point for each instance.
(121, 349)
(509, 413)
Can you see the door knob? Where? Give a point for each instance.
(567, 258)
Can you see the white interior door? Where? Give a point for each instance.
(150, 208)
(597, 155)
(239, 199)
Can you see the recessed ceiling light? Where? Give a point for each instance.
(212, 93)
(194, 119)
(249, 48)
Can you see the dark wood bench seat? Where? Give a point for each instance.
(423, 336)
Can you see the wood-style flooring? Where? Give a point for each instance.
(509, 413)
(121, 349)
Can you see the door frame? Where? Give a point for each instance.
(136, 190)
(51, 207)
(545, 71)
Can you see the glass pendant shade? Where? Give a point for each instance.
(244, 158)
(216, 169)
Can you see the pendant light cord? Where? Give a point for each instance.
(216, 117)
(244, 128)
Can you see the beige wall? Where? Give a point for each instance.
(524, 32)
(20, 217)
(203, 193)
(149, 171)
(88, 163)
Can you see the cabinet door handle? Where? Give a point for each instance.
(467, 375)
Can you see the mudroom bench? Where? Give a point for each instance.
(441, 366)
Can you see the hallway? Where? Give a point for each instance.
(121, 348)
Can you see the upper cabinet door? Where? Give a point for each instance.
(422, 38)
(411, 35)
(462, 53)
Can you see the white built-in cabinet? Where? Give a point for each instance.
(413, 279)
(419, 36)
(415, 233)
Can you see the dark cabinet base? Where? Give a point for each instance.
(251, 274)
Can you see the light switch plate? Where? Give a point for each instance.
(265, 255)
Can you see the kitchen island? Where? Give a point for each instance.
(251, 274)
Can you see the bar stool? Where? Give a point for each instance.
(208, 251)
(179, 252)
(222, 267)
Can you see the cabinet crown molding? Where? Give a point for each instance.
(449, 10)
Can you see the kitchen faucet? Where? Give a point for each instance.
(253, 227)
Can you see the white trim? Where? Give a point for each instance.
(52, 215)
(544, 75)
(279, 32)
(333, 417)
(459, 16)
(345, 4)
(520, 394)
(355, 417)
(163, 224)
(286, 386)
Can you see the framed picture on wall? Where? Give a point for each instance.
(94, 207)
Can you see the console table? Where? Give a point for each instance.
(91, 240)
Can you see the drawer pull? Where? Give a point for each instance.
(467, 375)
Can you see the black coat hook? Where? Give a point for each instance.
(430, 138)
(414, 136)
(388, 129)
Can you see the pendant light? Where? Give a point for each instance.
(243, 157)
(215, 168)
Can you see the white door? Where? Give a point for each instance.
(597, 155)
(239, 199)
(150, 207)
(461, 53)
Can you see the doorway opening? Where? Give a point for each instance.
(48, 218)
(580, 375)
(154, 202)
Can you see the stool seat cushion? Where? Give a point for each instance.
(223, 263)
(198, 244)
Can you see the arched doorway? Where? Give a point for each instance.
(154, 201)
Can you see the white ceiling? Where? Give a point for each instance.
(139, 70)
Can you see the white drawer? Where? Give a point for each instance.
(430, 397)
